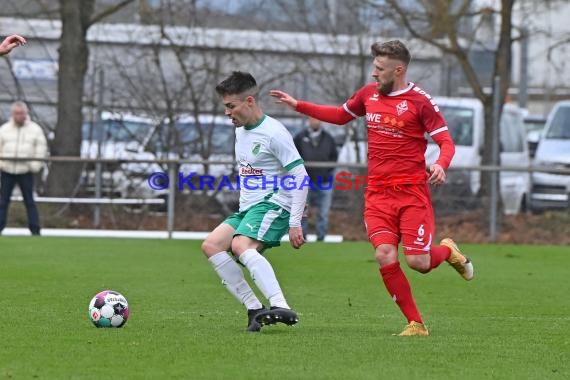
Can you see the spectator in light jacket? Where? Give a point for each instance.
(20, 138)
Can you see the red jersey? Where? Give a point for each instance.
(397, 124)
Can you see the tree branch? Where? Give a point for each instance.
(402, 14)
(557, 45)
(454, 47)
(109, 11)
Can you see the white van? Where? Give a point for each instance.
(551, 190)
(466, 123)
(465, 120)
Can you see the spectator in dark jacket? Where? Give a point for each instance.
(316, 144)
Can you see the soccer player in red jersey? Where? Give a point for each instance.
(397, 201)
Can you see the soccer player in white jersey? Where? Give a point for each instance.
(265, 153)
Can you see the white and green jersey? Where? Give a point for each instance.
(265, 153)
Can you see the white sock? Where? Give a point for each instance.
(234, 280)
(264, 277)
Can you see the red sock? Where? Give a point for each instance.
(438, 254)
(399, 289)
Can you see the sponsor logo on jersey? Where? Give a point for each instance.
(245, 169)
(387, 121)
(393, 122)
(373, 117)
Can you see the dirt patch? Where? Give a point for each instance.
(472, 227)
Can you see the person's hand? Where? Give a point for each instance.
(296, 237)
(437, 176)
(285, 98)
(10, 43)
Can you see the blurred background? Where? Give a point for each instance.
(120, 81)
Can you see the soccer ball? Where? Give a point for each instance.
(109, 309)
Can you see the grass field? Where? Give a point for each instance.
(508, 323)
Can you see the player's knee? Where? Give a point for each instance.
(210, 248)
(386, 254)
(242, 243)
(238, 245)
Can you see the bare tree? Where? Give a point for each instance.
(76, 18)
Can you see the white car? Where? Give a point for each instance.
(116, 136)
(534, 125)
(465, 120)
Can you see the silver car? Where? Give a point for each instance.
(549, 190)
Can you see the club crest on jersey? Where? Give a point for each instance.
(256, 148)
(402, 107)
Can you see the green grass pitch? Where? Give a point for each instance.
(510, 322)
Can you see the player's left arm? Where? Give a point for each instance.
(436, 126)
(446, 151)
(284, 149)
(299, 193)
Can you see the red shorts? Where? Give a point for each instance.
(401, 213)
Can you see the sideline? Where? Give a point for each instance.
(179, 235)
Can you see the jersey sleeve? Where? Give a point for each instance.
(436, 126)
(431, 117)
(355, 106)
(285, 151)
(328, 114)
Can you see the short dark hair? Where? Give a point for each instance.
(392, 49)
(237, 84)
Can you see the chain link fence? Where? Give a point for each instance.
(141, 200)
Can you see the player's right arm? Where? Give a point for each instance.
(329, 114)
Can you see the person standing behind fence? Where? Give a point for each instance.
(20, 138)
(316, 144)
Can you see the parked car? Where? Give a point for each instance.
(126, 136)
(465, 120)
(550, 191)
(115, 136)
(534, 125)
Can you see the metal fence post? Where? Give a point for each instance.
(171, 193)
(100, 137)
(495, 160)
